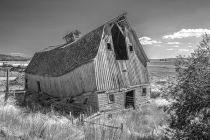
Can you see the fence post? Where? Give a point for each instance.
(71, 118)
(87, 111)
(7, 87)
(80, 116)
(24, 98)
(91, 110)
(121, 127)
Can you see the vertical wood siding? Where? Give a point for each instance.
(112, 73)
(76, 82)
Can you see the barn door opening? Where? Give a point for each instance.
(129, 99)
(38, 86)
(119, 44)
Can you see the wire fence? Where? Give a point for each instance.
(95, 118)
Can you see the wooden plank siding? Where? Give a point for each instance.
(112, 73)
(119, 103)
(104, 104)
(141, 100)
(76, 82)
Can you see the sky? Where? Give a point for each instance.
(166, 28)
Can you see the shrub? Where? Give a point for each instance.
(190, 111)
(154, 94)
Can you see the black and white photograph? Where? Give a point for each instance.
(104, 70)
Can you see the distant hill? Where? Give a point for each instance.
(163, 60)
(4, 57)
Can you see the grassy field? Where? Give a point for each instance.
(23, 123)
(34, 122)
(161, 68)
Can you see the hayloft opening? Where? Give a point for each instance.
(129, 99)
(119, 44)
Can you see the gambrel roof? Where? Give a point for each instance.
(58, 60)
(64, 58)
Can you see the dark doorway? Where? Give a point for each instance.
(38, 86)
(129, 99)
(26, 83)
(119, 44)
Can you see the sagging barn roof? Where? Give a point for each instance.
(62, 59)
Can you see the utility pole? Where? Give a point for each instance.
(7, 86)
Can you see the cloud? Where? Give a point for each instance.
(183, 50)
(189, 43)
(169, 49)
(176, 46)
(189, 46)
(174, 43)
(148, 41)
(187, 33)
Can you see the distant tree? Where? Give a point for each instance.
(190, 111)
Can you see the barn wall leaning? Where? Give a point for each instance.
(78, 81)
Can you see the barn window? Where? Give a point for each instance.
(85, 101)
(144, 92)
(111, 98)
(131, 48)
(119, 43)
(109, 46)
(26, 83)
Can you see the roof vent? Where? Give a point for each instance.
(73, 36)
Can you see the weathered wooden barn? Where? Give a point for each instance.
(105, 69)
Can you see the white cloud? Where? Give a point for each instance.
(174, 43)
(148, 41)
(189, 46)
(169, 49)
(189, 43)
(187, 33)
(183, 50)
(176, 46)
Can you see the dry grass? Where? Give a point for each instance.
(15, 123)
(39, 123)
(27, 124)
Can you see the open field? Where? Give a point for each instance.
(11, 74)
(161, 68)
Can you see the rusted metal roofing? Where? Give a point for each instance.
(65, 58)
